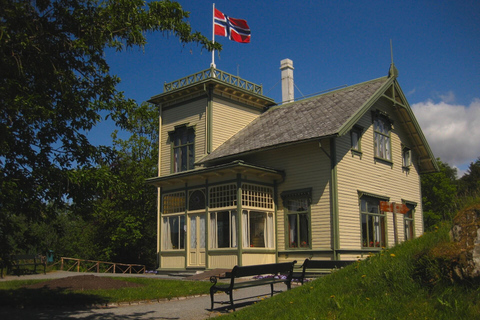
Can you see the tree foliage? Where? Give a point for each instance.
(54, 82)
(439, 194)
(112, 196)
(470, 182)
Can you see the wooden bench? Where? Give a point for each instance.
(315, 268)
(24, 260)
(277, 273)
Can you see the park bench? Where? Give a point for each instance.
(25, 260)
(315, 268)
(275, 273)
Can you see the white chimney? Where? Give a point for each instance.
(286, 66)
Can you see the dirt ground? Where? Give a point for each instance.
(84, 282)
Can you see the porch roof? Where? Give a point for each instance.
(215, 171)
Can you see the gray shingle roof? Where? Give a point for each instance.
(313, 118)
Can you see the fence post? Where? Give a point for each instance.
(61, 264)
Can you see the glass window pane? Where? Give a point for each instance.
(257, 229)
(292, 231)
(304, 227)
(183, 229)
(193, 232)
(297, 205)
(223, 229)
(191, 157)
(355, 140)
(202, 231)
(174, 232)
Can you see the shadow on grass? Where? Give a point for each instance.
(74, 313)
(46, 297)
(46, 303)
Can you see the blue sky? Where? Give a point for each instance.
(436, 48)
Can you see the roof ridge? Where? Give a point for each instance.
(326, 93)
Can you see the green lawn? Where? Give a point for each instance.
(394, 284)
(12, 292)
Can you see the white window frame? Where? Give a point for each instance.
(214, 227)
(382, 138)
(167, 243)
(264, 236)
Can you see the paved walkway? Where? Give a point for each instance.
(194, 308)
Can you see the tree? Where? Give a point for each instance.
(54, 81)
(439, 194)
(112, 196)
(470, 182)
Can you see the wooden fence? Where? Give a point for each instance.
(81, 265)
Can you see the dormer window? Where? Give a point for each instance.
(183, 148)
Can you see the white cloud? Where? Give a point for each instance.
(452, 131)
(449, 97)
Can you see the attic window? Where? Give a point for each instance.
(382, 126)
(406, 157)
(355, 138)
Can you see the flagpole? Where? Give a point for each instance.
(213, 37)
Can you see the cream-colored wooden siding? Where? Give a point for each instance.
(300, 257)
(363, 173)
(249, 259)
(172, 262)
(306, 166)
(192, 113)
(228, 119)
(222, 261)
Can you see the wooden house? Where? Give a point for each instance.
(244, 181)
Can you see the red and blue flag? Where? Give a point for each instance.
(235, 29)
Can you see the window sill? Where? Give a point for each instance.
(259, 250)
(384, 161)
(356, 153)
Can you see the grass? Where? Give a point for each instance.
(394, 284)
(13, 293)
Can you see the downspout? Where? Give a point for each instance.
(275, 201)
(334, 198)
(159, 189)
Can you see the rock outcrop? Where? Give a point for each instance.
(465, 234)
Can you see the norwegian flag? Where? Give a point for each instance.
(235, 29)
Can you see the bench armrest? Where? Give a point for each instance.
(213, 279)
